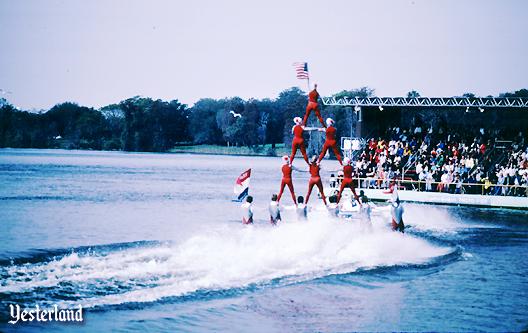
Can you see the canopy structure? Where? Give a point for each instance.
(508, 102)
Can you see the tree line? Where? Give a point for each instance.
(144, 124)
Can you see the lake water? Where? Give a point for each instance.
(152, 242)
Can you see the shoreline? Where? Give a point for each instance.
(265, 150)
(279, 153)
(217, 150)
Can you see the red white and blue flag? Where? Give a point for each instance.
(301, 69)
(242, 185)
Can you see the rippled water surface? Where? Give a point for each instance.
(153, 242)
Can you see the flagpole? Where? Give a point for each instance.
(308, 79)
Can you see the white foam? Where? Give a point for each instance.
(438, 220)
(224, 257)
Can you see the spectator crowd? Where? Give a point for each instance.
(480, 162)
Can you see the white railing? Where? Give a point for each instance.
(496, 102)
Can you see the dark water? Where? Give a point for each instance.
(151, 242)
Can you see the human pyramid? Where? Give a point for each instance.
(314, 164)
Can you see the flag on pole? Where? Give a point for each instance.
(242, 185)
(301, 69)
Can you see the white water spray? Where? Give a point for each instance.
(224, 257)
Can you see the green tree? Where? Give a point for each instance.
(202, 122)
(6, 119)
(469, 95)
(291, 103)
(115, 123)
(362, 92)
(131, 111)
(413, 94)
(153, 125)
(518, 93)
(83, 127)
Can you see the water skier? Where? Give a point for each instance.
(365, 209)
(287, 169)
(333, 206)
(247, 209)
(347, 180)
(313, 104)
(393, 190)
(315, 179)
(301, 209)
(274, 210)
(330, 141)
(397, 216)
(298, 140)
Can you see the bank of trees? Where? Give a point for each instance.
(136, 124)
(144, 124)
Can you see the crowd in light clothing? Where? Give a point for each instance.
(470, 162)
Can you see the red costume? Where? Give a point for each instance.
(286, 180)
(313, 105)
(298, 142)
(347, 182)
(315, 179)
(331, 143)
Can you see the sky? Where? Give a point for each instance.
(98, 52)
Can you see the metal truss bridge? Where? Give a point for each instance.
(508, 102)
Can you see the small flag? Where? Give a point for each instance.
(301, 69)
(242, 185)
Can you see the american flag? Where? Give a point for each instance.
(301, 68)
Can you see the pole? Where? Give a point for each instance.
(308, 81)
(352, 114)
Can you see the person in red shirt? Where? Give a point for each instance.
(330, 141)
(347, 180)
(482, 148)
(315, 179)
(313, 96)
(298, 140)
(287, 179)
(373, 144)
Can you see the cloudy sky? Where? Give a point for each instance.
(100, 52)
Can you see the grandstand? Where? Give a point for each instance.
(451, 145)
